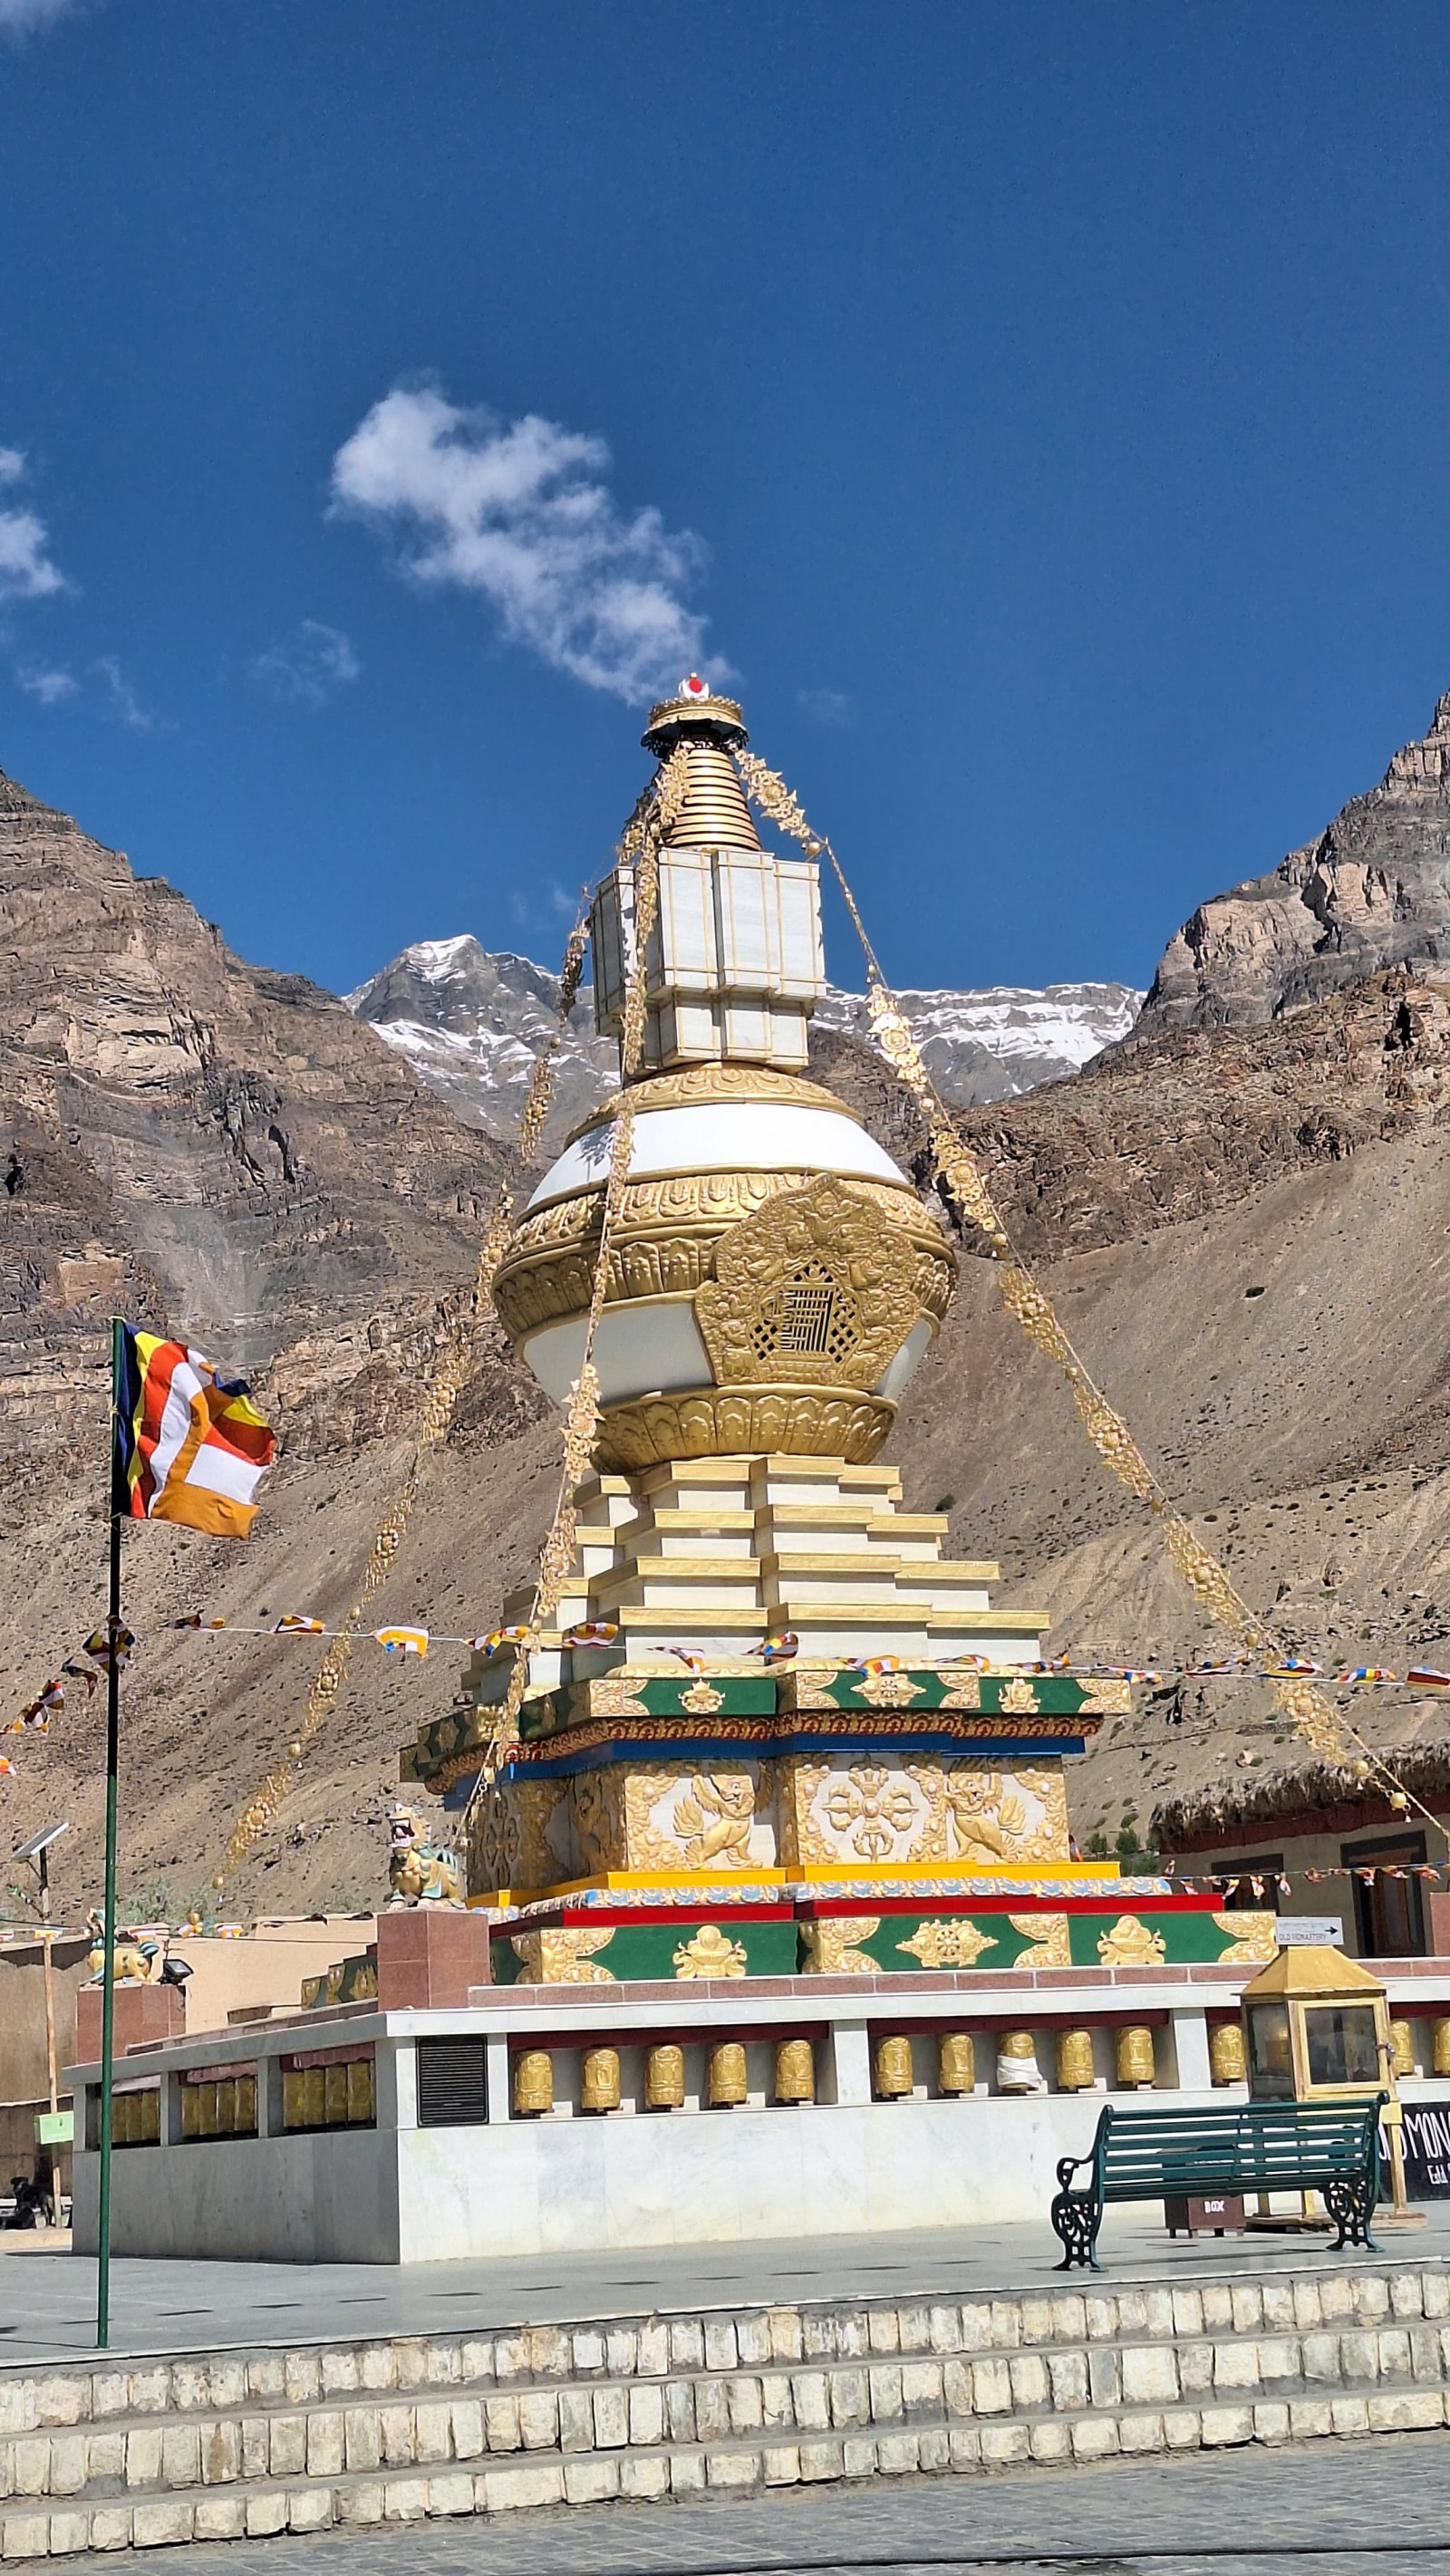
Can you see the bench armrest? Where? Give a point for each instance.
(1067, 2166)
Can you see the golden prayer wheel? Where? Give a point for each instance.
(533, 2083)
(360, 2104)
(1440, 2045)
(206, 2110)
(246, 2106)
(664, 2078)
(726, 2085)
(795, 2071)
(122, 2106)
(599, 2080)
(314, 2097)
(1402, 2048)
(226, 2107)
(334, 2096)
(1226, 2053)
(294, 2110)
(1136, 2062)
(893, 2078)
(1017, 2063)
(1075, 2070)
(956, 2062)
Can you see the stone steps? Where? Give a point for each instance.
(218, 2447)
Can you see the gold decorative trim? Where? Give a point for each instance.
(830, 1945)
(736, 1421)
(1051, 1938)
(1108, 1699)
(710, 1954)
(664, 1242)
(953, 1944)
(698, 1082)
(1130, 1944)
(1253, 1939)
(563, 1958)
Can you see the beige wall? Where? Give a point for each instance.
(265, 1965)
(22, 2014)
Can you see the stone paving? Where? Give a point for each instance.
(1343, 2512)
(47, 2307)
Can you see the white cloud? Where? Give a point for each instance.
(520, 513)
(22, 17)
(49, 686)
(122, 697)
(827, 706)
(26, 571)
(308, 666)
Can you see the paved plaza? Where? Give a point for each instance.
(1345, 2509)
(48, 2303)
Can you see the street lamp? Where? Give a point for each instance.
(37, 1850)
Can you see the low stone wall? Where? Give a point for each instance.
(217, 2447)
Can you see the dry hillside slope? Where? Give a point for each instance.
(1247, 1231)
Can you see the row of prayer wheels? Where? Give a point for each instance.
(664, 2077)
(892, 2069)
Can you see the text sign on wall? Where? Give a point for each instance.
(1425, 2139)
(1309, 1932)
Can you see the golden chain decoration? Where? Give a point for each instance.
(639, 846)
(1307, 1708)
(434, 1421)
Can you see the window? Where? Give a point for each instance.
(1343, 2047)
(1389, 1913)
(1271, 2056)
(1241, 1896)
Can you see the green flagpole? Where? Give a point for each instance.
(108, 1967)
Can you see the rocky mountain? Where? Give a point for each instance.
(469, 1021)
(1372, 891)
(198, 1139)
(1243, 1227)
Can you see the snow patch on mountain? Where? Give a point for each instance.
(470, 1021)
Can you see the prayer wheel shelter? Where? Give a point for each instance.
(1316, 2028)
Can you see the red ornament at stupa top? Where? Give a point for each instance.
(694, 686)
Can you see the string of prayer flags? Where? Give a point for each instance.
(778, 1650)
(692, 1662)
(113, 1644)
(291, 1625)
(490, 1642)
(403, 1641)
(1424, 1677)
(592, 1632)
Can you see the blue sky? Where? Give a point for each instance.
(1043, 411)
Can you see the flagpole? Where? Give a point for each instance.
(108, 1937)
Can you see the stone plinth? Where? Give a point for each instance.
(142, 2013)
(430, 1956)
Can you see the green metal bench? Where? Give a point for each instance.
(1331, 2147)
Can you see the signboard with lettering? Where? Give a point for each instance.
(1309, 1932)
(1425, 2138)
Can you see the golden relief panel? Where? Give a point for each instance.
(681, 1817)
(852, 1808)
(519, 1837)
(596, 1800)
(812, 1289)
(711, 1953)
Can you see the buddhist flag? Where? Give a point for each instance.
(190, 1445)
